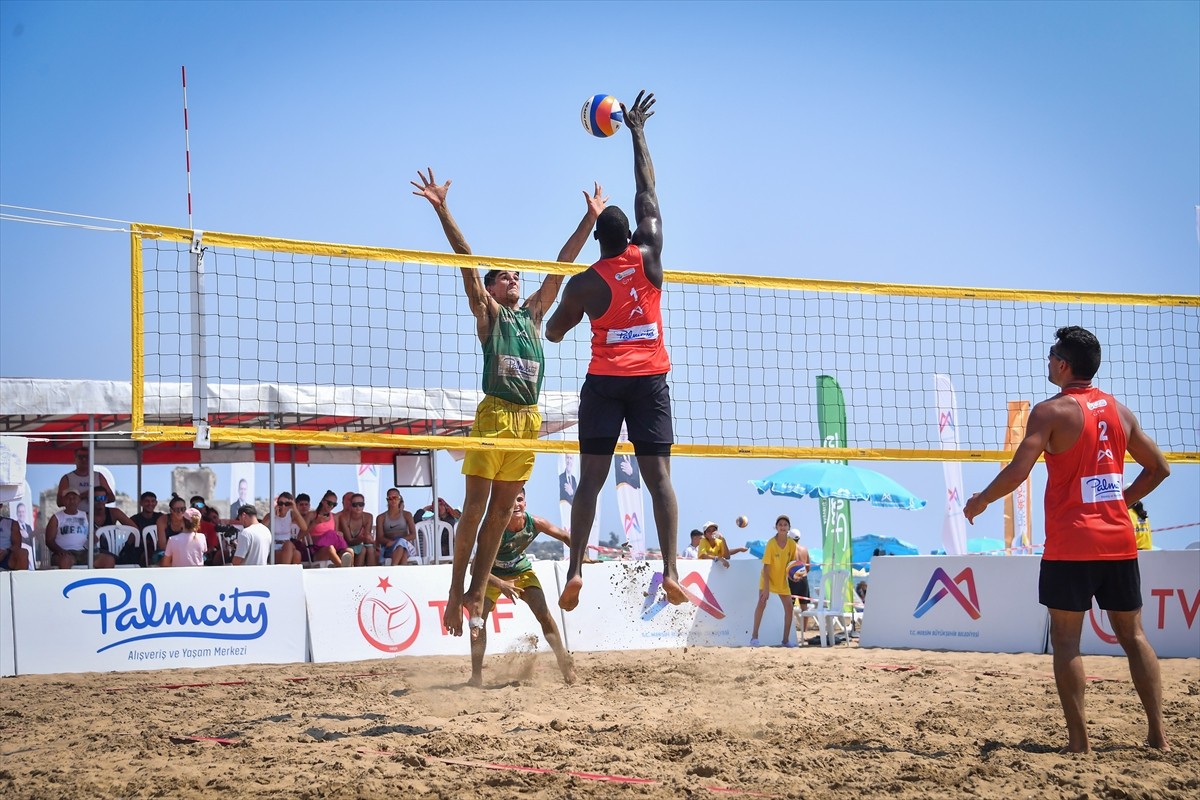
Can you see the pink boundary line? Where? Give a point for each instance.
(590, 776)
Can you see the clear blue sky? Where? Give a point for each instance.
(1029, 145)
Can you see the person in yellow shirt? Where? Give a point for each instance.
(713, 545)
(780, 552)
(1141, 525)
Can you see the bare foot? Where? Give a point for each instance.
(452, 618)
(570, 594)
(1071, 750)
(567, 665)
(476, 681)
(1158, 742)
(676, 596)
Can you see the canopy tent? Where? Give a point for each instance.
(56, 415)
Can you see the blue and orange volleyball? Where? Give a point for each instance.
(602, 115)
(796, 570)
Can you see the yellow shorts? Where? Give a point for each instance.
(500, 419)
(523, 581)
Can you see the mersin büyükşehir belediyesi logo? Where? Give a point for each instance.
(236, 615)
(950, 586)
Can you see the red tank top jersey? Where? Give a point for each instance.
(627, 339)
(1086, 516)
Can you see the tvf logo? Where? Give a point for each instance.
(702, 597)
(942, 585)
(1159, 620)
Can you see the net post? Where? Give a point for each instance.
(199, 347)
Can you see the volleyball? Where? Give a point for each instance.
(742, 521)
(795, 571)
(602, 115)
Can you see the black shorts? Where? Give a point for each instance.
(800, 589)
(642, 402)
(1071, 585)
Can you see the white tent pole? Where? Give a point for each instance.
(91, 503)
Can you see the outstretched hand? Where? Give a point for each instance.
(595, 202)
(639, 112)
(428, 188)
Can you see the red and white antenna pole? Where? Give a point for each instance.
(187, 147)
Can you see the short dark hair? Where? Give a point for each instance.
(248, 510)
(697, 532)
(1080, 349)
(148, 496)
(490, 276)
(303, 498)
(612, 228)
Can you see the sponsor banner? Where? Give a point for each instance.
(1018, 518)
(622, 606)
(954, 531)
(1170, 608)
(8, 647)
(627, 478)
(381, 612)
(971, 603)
(134, 619)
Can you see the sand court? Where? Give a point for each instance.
(695, 722)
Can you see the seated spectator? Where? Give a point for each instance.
(357, 528)
(67, 534)
(327, 543)
(148, 515)
(693, 549)
(186, 549)
(446, 512)
(12, 555)
(304, 506)
(79, 481)
(210, 518)
(254, 539)
(396, 531)
(287, 528)
(104, 515)
(860, 589)
(171, 523)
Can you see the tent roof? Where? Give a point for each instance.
(55, 416)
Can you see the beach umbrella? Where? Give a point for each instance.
(823, 479)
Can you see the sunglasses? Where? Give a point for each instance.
(284, 505)
(358, 505)
(101, 497)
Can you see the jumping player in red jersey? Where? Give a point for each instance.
(1090, 546)
(627, 376)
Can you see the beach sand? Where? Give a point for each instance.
(698, 722)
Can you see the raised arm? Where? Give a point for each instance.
(648, 235)
(550, 529)
(481, 303)
(540, 301)
(569, 311)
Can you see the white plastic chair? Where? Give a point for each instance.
(430, 545)
(149, 543)
(116, 536)
(832, 611)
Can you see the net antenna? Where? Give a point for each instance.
(199, 355)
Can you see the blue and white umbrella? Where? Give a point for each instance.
(821, 479)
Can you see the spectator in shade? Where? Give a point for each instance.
(254, 540)
(357, 528)
(78, 480)
(186, 549)
(801, 590)
(148, 514)
(67, 534)
(396, 531)
(12, 555)
(327, 543)
(288, 528)
(104, 515)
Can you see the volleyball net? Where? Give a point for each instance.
(257, 339)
